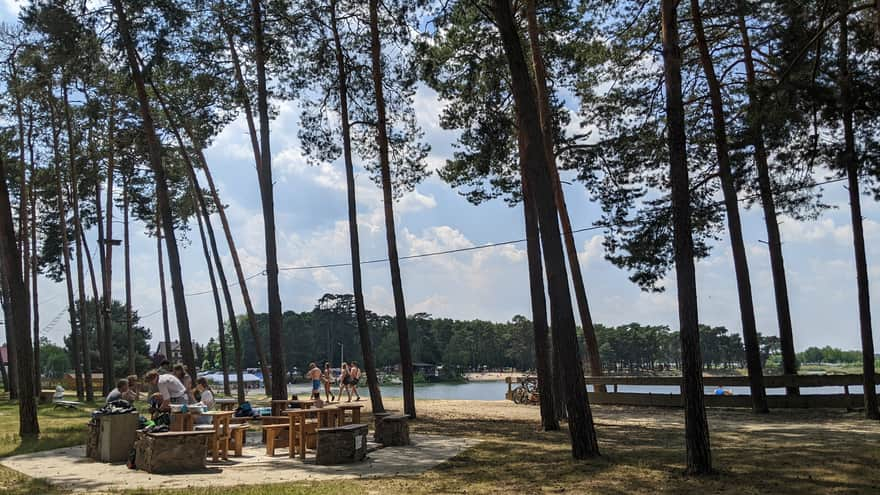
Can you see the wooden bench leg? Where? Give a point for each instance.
(239, 440)
(270, 444)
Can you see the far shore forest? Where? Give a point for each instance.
(459, 345)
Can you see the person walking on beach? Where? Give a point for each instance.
(315, 376)
(355, 374)
(327, 378)
(345, 381)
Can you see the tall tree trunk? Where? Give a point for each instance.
(166, 327)
(35, 300)
(10, 267)
(577, 278)
(95, 294)
(107, 252)
(279, 373)
(65, 247)
(255, 144)
(23, 227)
(549, 422)
(224, 284)
(77, 229)
(699, 455)
(406, 363)
(768, 203)
(83, 327)
(162, 194)
(354, 242)
(99, 219)
(7, 315)
(99, 302)
(202, 212)
(126, 260)
(11, 340)
(129, 327)
(849, 159)
(734, 224)
(12, 383)
(580, 419)
(218, 307)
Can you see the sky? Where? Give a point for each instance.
(490, 284)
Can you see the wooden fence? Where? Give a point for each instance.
(664, 399)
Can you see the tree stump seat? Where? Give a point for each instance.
(392, 430)
(342, 444)
(172, 452)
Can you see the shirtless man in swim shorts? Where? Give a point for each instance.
(315, 376)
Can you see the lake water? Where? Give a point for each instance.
(495, 390)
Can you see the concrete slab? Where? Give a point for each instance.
(70, 468)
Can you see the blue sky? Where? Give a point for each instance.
(489, 283)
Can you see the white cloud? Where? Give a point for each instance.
(592, 252)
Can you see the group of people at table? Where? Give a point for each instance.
(170, 386)
(166, 386)
(173, 385)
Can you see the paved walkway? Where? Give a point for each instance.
(70, 468)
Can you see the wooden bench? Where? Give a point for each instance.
(237, 440)
(341, 444)
(269, 421)
(276, 436)
(221, 433)
(67, 404)
(171, 452)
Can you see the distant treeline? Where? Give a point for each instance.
(829, 355)
(316, 335)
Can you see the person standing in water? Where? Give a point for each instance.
(355, 374)
(327, 378)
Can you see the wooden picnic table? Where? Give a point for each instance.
(297, 432)
(304, 403)
(279, 406)
(328, 416)
(226, 404)
(221, 433)
(182, 421)
(355, 413)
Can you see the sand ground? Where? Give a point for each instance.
(69, 469)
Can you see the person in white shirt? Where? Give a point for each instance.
(172, 390)
(207, 395)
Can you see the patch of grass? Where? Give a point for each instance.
(58, 428)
